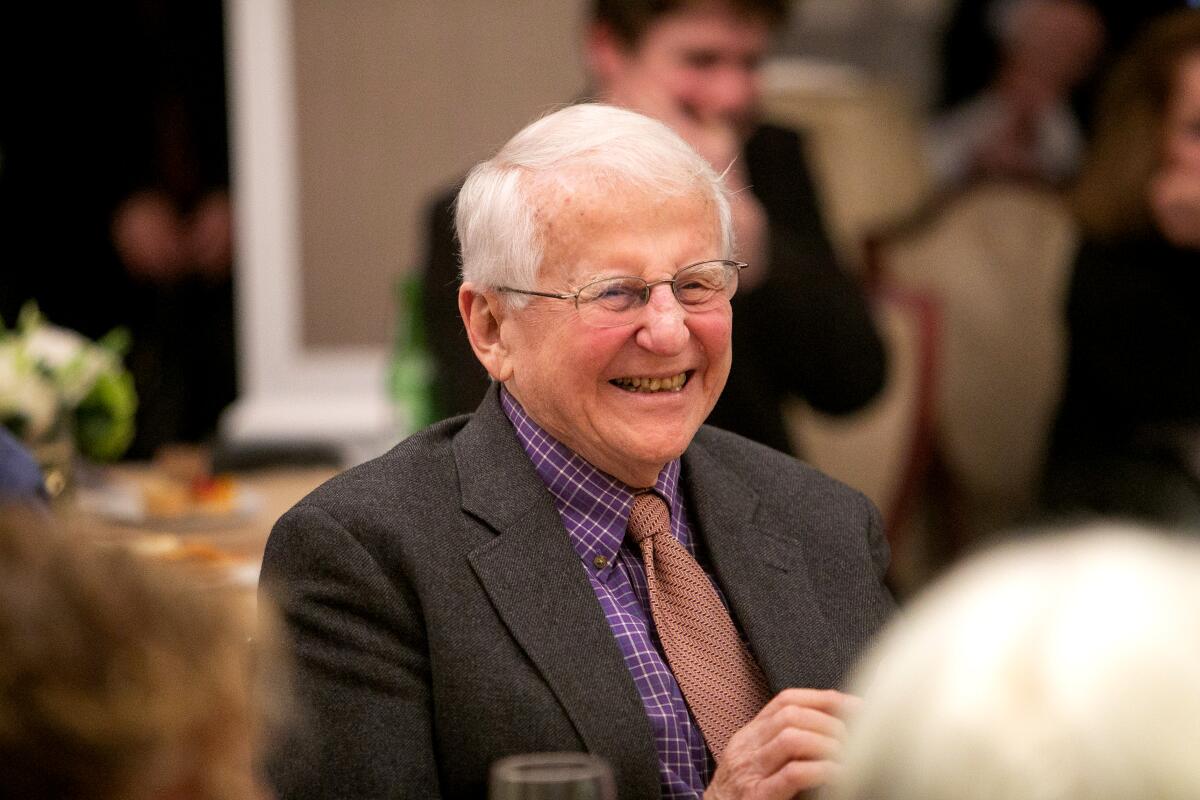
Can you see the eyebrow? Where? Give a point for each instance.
(600, 276)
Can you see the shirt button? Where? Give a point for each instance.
(600, 562)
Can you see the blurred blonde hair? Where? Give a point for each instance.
(1057, 669)
(119, 678)
(1111, 193)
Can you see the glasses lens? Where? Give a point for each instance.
(701, 283)
(604, 303)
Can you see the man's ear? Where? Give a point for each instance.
(605, 55)
(484, 314)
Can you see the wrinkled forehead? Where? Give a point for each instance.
(575, 206)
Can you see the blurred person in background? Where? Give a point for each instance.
(1021, 124)
(1064, 668)
(1127, 437)
(972, 40)
(122, 680)
(114, 202)
(801, 325)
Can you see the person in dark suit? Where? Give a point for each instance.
(803, 328)
(473, 594)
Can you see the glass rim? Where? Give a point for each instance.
(550, 767)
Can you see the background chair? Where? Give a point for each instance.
(884, 449)
(863, 142)
(995, 261)
(969, 296)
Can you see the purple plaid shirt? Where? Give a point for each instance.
(595, 511)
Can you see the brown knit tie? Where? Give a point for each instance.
(721, 682)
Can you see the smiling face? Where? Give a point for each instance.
(707, 58)
(628, 399)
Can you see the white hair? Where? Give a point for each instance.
(1061, 668)
(495, 214)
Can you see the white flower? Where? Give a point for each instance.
(53, 346)
(47, 373)
(75, 363)
(26, 393)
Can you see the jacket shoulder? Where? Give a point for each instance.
(756, 460)
(418, 471)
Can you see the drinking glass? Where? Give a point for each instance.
(551, 776)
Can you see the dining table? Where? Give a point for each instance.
(220, 548)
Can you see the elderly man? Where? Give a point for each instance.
(802, 328)
(580, 564)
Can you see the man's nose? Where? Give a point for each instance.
(664, 323)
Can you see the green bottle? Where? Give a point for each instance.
(410, 374)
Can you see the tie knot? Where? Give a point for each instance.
(650, 516)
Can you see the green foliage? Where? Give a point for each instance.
(51, 377)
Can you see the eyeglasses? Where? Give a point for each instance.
(611, 302)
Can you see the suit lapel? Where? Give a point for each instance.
(763, 572)
(534, 579)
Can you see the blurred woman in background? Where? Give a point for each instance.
(1127, 439)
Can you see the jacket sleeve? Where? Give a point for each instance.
(881, 558)
(809, 317)
(813, 320)
(361, 675)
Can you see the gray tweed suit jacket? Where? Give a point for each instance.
(440, 618)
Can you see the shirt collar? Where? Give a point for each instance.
(594, 505)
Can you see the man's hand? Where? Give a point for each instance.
(158, 244)
(792, 745)
(149, 237)
(209, 235)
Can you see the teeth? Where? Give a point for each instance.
(672, 384)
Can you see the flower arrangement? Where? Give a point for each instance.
(55, 383)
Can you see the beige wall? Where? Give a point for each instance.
(395, 99)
